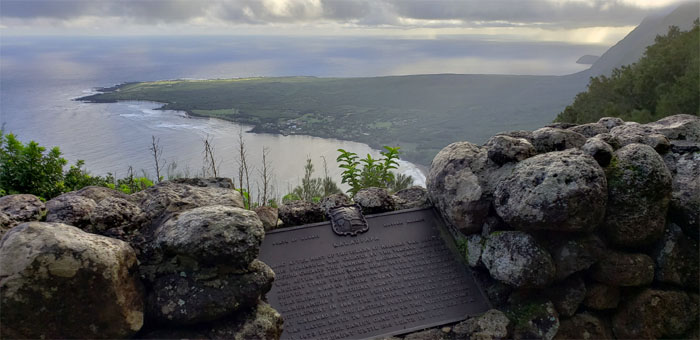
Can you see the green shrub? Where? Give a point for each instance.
(374, 172)
(30, 169)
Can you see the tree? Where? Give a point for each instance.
(30, 169)
(663, 82)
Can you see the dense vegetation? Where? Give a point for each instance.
(31, 169)
(420, 113)
(665, 81)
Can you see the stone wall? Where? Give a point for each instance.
(587, 231)
(177, 260)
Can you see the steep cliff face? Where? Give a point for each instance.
(601, 219)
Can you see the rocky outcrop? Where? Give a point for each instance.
(654, 314)
(15, 209)
(57, 281)
(461, 183)
(564, 191)
(639, 191)
(374, 200)
(517, 259)
(621, 236)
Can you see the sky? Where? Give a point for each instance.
(601, 22)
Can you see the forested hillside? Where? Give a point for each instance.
(663, 82)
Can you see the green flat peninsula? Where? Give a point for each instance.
(420, 113)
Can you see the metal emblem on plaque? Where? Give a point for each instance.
(347, 220)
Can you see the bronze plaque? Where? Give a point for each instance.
(401, 275)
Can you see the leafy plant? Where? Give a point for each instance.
(374, 172)
(30, 168)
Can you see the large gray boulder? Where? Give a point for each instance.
(611, 122)
(504, 149)
(654, 314)
(488, 326)
(584, 326)
(461, 182)
(624, 269)
(116, 212)
(374, 200)
(564, 191)
(534, 320)
(676, 258)
(97, 194)
(683, 127)
(549, 139)
(601, 296)
(71, 209)
(268, 216)
(684, 209)
(597, 148)
(567, 295)
(15, 209)
(411, 198)
(212, 234)
(57, 281)
(300, 213)
(515, 258)
(574, 254)
(163, 199)
(589, 130)
(193, 297)
(639, 191)
(635, 133)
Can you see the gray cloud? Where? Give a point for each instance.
(543, 13)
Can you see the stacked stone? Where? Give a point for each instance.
(581, 231)
(180, 262)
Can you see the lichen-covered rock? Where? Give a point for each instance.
(683, 127)
(166, 198)
(411, 198)
(654, 314)
(115, 212)
(560, 125)
(475, 245)
(517, 259)
(15, 209)
(600, 296)
(571, 255)
(334, 200)
(97, 194)
(489, 326)
(610, 139)
(71, 209)
(461, 183)
(601, 151)
(374, 200)
(624, 269)
(212, 234)
(57, 281)
(635, 133)
(685, 197)
(263, 322)
(567, 295)
(428, 334)
(676, 258)
(611, 122)
(564, 191)
(268, 217)
(526, 134)
(300, 212)
(211, 182)
(535, 320)
(639, 191)
(589, 130)
(549, 139)
(584, 326)
(194, 297)
(504, 149)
